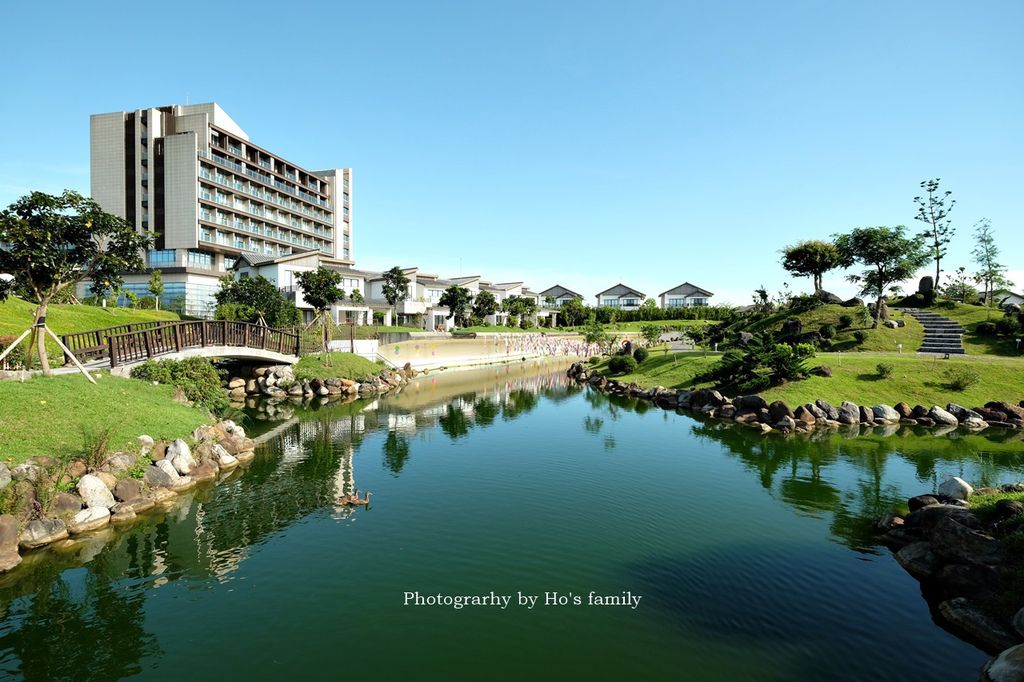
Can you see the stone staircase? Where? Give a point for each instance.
(941, 334)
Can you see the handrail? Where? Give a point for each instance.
(175, 336)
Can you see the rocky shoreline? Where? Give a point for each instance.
(756, 412)
(59, 501)
(277, 383)
(967, 563)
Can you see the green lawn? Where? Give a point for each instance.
(56, 416)
(340, 365)
(854, 377)
(969, 316)
(881, 340)
(17, 315)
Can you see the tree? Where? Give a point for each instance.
(933, 210)
(960, 287)
(356, 297)
(50, 242)
(991, 274)
(594, 332)
(812, 259)
(651, 333)
(519, 307)
(253, 299)
(484, 304)
(395, 288)
(573, 312)
(321, 288)
(457, 299)
(889, 256)
(649, 310)
(156, 286)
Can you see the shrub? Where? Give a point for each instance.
(593, 359)
(146, 303)
(845, 321)
(195, 376)
(14, 359)
(986, 329)
(96, 446)
(640, 354)
(622, 364)
(860, 336)
(1007, 326)
(526, 323)
(884, 370)
(827, 331)
(961, 378)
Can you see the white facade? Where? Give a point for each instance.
(620, 296)
(685, 295)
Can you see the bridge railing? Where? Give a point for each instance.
(174, 337)
(92, 345)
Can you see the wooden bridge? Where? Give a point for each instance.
(130, 344)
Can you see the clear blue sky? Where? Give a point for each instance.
(583, 143)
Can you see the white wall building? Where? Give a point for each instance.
(622, 297)
(685, 295)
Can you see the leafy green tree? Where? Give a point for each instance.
(933, 210)
(457, 299)
(395, 288)
(651, 333)
(156, 286)
(51, 242)
(594, 332)
(321, 288)
(484, 304)
(573, 312)
(812, 259)
(252, 299)
(888, 256)
(991, 273)
(356, 297)
(961, 288)
(649, 310)
(520, 307)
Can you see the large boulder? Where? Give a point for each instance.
(1010, 409)
(66, 503)
(849, 413)
(967, 618)
(918, 501)
(95, 492)
(927, 518)
(804, 415)
(828, 409)
(180, 456)
(968, 580)
(918, 560)
(940, 416)
(750, 402)
(854, 302)
(777, 410)
(40, 532)
(829, 298)
(161, 475)
(957, 543)
(926, 285)
(884, 413)
(5, 476)
(792, 326)
(127, 490)
(1006, 667)
(88, 520)
(866, 415)
(961, 412)
(957, 488)
(9, 557)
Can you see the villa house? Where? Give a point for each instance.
(622, 297)
(559, 294)
(421, 307)
(685, 295)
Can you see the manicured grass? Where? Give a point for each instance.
(881, 340)
(855, 378)
(339, 365)
(17, 315)
(57, 416)
(970, 316)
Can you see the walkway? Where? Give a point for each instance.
(941, 334)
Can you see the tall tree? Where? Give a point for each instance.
(457, 299)
(888, 255)
(573, 312)
(395, 288)
(812, 258)
(321, 288)
(156, 286)
(253, 299)
(50, 242)
(991, 274)
(484, 304)
(933, 210)
(519, 306)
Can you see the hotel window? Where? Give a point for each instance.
(161, 257)
(200, 259)
(229, 263)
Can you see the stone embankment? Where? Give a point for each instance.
(278, 383)
(968, 564)
(55, 501)
(755, 412)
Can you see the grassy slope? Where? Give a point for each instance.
(854, 378)
(56, 416)
(17, 315)
(342, 365)
(970, 316)
(879, 340)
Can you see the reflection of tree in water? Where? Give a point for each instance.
(519, 402)
(396, 451)
(453, 422)
(485, 411)
(592, 424)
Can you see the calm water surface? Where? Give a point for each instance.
(753, 557)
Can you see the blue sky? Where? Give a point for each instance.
(583, 143)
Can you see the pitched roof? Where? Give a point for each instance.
(257, 259)
(505, 286)
(687, 289)
(559, 290)
(621, 290)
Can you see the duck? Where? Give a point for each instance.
(354, 500)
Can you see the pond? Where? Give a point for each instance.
(753, 557)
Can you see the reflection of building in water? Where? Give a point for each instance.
(345, 479)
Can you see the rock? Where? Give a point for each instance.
(727, 411)
(819, 414)
(926, 518)
(854, 303)
(180, 456)
(1012, 487)
(829, 298)
(1010, 409)
(223, 458)
(866, 415)
(138, 505)
(786, 423)
(940, 416)
(89, 519)
(5, 476)
(9, 557)
(961, 412)
(236, 383)
(159, 452)
(957, 488)
(848, 413)
(207, 471)
(109, 480)
(888, 522)
(1008, 666)
(743, 339)
(804, 415)
(915, 503)
(126, 514)
(65, 503)
(792, 326)
(974, 424)
(968, 580)
(828, 409)
(955, 542)
(1007, 509)
(891, 324)
(146, 444)
(919, 411)
(750, 402)
(40, 532)
(990, 415)
(246, 456)
(918, 560)
(886, 414)
(95, 492)
(121, 462)
(161, 476)
(821, 371)
(777, 410)
(183, 484)
(964, 616)
(127, 489)
(27, 471)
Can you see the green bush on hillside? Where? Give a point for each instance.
(860, 336)
(961, 378)
(985, 329)
(827, 331)
(885, 370)
(1007, 326)
(621, 364)
(640, 354)
(196, 377)
(845, 321)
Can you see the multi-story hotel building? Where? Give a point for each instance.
(190, 175)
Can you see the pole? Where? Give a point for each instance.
(71, 355)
